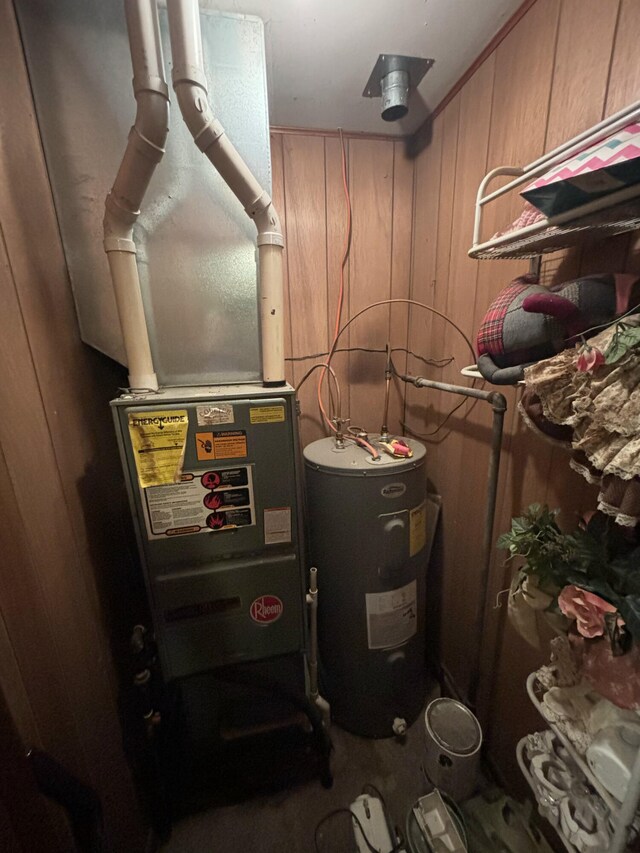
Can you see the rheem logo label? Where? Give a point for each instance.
(267, 608)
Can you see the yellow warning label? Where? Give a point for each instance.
(266, 414)
(204, 446)
(417, 529)
(158, 440)
(230, 445)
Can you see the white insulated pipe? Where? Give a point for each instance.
(144, 151)
(190, 85)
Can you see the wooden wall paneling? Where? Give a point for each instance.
(523, 78)
(580, 74)
(25, 579)
(27, 821)
(435, 187)
(57, 425)
(304, 175)
(624, 76)
(427, 170)
(12, 681)
(518, 129)
(80, 424)
(336, 206)
(401, 259)
(371, 183)
(463, 451)
(427, 413)
(60, 650)
(521, 100)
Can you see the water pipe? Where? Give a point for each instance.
(190, 85)
(144, 151)
(499, 406)
(314, 694)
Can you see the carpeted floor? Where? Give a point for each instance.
(285, 822)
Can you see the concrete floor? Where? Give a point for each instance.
(285, 822)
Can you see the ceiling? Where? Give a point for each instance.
(320, 53)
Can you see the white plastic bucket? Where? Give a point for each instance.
(453, 738)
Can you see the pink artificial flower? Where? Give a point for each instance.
(587, 609)
(589, 358)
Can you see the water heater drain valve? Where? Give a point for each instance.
(399, 727)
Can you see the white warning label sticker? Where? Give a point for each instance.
(203, 501)
(277, 525)
(392, 617)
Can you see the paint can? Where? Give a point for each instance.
(453, 738)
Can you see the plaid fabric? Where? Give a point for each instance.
(491, 334)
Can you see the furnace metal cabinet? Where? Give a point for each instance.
(220, 549)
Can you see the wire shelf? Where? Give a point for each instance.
(526, 772)
(604, 216)
(535, 691)
(545, 236)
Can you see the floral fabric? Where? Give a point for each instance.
(602, 408)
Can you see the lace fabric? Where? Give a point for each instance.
(602, 409)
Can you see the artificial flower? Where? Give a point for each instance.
(589, 358)
(586, 608)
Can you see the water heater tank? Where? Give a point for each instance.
(368, 541)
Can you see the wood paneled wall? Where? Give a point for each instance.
(563, 67)
(309, 194)
(63, 552)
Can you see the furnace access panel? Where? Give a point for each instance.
(211, 474)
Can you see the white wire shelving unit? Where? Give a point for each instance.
(614, 213)
(524, 767)
(622, 813)
(603, 217)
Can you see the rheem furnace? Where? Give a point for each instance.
(221, 548)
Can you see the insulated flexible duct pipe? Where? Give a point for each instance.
(190, 85)
(144, 151)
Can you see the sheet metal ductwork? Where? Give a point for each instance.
(144, 150)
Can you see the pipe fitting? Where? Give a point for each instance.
(119, 244)
(210, 134)
(189, 74)
(258, 205)
(498, 401)
(145, 148)
(150, 83)
(270, 238)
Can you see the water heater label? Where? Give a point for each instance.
(215, 500)
(220, 413)
(417, 529)
(392, 617)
